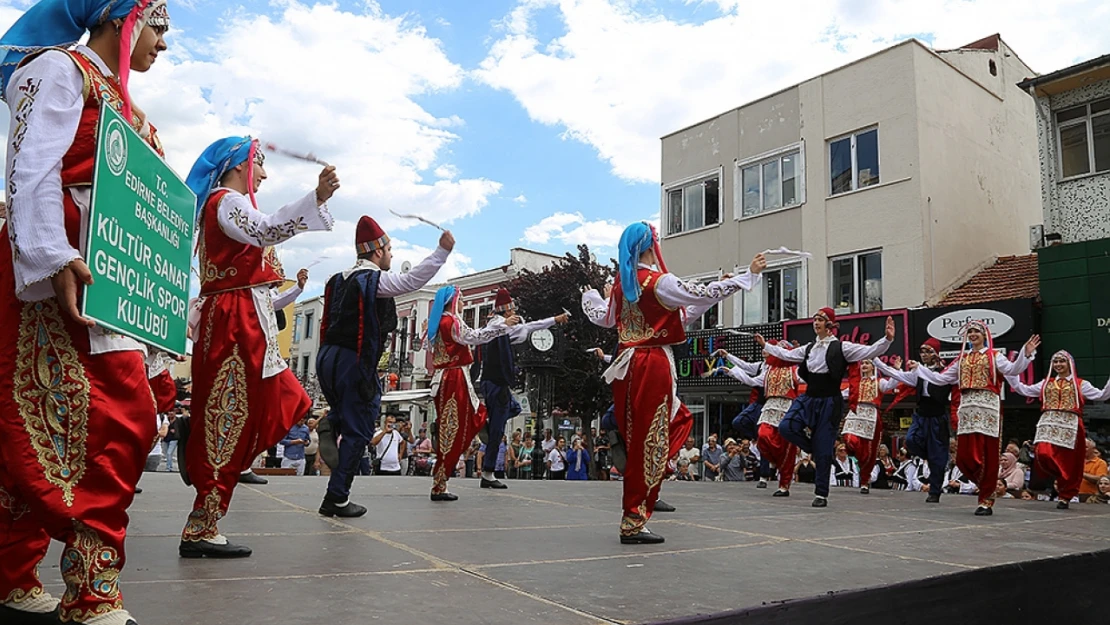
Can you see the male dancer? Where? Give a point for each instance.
(458, 413)
(930, 430)
(499, 375)
(1060, 452)
(747, 422)
(980, 411)
(779, 384)
(812, 420)
(863, 427)
(352, 334)
(244, 396)
(650, 309)
(76, 414)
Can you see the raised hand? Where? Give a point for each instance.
(1032, 344)
(328, 184)
(720, 353)
(302, 278)
(561, 318)
(512, 320)
(597, 351)
(890, 328)
(896, 361)
(447, 240)
(759, 340)
(607, 291)
(759, 263)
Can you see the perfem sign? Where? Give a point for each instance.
(140, 239)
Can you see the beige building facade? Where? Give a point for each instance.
(902, 174)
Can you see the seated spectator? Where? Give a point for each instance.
(1011, 472)
(692, 455)
(1000, 491)
(1103, 494)
(1093, 469)
(884, 470)
(908, 476)
(751, 461)
(683, 474)
(806, 470)
(845, 470)
(733, 465)
(1027, 495)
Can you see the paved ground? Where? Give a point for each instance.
(547, 552)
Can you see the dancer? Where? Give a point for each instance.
(980, 412)
(458, 412)
(358, 316)
(499, 375)
(246, 398)
(1059, 451)
(811, 421)
(746, 423)
(779, 383)
(863, 427)
(930, 428)
(76, 413)
(650, 309)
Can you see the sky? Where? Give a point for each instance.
(519, 123)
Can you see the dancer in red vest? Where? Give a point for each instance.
(76, 414)
(863, 427)
(650, 309)
(1059, 444)
(979, 371)
(245, 399)
(781, 384)
(458, 412)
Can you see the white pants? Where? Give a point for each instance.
(296, 464)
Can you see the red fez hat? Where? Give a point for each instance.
(369, 236)
(829, 313)
(503, 299)
(935, 344)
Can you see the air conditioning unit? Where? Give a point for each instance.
(1036, 237)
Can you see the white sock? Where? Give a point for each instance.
(115, 617)
(39, 603)
(488, 476)
(821, 497)
(247, 471)
(344, 504)
(763, 480)
(218, 539)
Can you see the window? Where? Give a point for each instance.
(1084, 138)
(468, 317)
(857, 283)
(306, 359)
(308, 325)
(484, 312)
(776, 297)
(854, 161)
(694, 205)
(771, 183)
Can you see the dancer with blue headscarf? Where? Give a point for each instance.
(458, 413)
(76, 413)
(359, 314)
(245, 399)
(650, 309)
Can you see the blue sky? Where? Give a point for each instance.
(530, 123)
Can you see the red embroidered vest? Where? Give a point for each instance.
(977, 372)
(647, 322)
(781, 382)
(226, 264)
(864, 391)
(446, 353)
(1061, 395)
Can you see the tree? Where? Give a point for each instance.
(576, 384)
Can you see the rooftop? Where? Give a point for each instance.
(1069, 78)
(1010, 277)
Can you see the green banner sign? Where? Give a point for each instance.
(140, 239)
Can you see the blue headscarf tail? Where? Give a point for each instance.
(54, 24)
(444, 296)
(635, 240)
(213, 163)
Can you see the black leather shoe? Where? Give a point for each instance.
(865, 490)
(444, 497)
(1062, 505)
(761, 484)
(138, 490)
(492, 484)
(662, 506)
(19, 617)
(617, 452)
(933, 498)
(781, 493)
(329, 444)
(643, 537)
(183, 432)
(984, 511)
(349, 511)
(820, 502)
(250, 477)
(205, 549)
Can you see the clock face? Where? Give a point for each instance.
(543, 340)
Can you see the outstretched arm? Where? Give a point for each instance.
(598, 310)
(1033, 390)
(466, 335)
(394, 284)
(241, 221)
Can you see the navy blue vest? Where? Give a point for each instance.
(936, 404)
(824, 384)
(497, 362)
(353, 310)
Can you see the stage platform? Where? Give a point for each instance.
(548, 553)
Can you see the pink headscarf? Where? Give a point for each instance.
(1010, 472)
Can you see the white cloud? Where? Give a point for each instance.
(574, 229)
(442, 22)
(619, 74)
(447, 172)
(520, 199)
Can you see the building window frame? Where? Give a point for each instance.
(854, 136)
(858, 304)
(738, 316)
(308, 317)
(685, 185)
(760, 161)
(1087, 120)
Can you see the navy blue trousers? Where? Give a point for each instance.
(500, 407)
(746, 423)
(821, 416)
(928, 439)
(354, 397)
(609, 421)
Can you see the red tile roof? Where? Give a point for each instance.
(1010, 277)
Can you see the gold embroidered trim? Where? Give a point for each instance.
(13, 504)
(656, 445)
(448, 430)
(202, 521)
(1059, 394)
(975, 371)
(19, 595)
(52, 393)
(90, 569)
(225, 412)
(632, 326)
